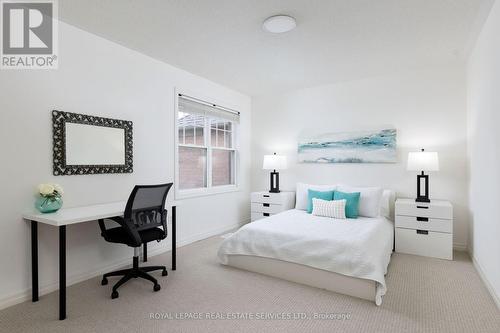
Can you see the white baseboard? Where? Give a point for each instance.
(479, 269)
(211, 233)
(25, 295)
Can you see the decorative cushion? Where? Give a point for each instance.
(302, 194)
(352, 203)
(329, 208)
(369, 200)
(311, 194)
(387, 204)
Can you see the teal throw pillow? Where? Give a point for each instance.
(351, 205)
(326, 195)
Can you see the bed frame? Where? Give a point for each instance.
(342, 284)
(339, 283)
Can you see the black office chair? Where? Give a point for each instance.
(144, 220)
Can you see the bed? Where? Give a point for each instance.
(347, 256)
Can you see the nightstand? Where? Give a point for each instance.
(265, 204)
(424, 229)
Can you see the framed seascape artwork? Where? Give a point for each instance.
(376, 146)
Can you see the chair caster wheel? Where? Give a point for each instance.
(164, 272)
(104, 282)
(156, 287)
(114, 294)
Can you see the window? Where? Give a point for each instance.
(206, 147)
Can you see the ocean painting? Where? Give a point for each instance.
(353, 147)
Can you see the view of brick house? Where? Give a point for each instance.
(193, 151)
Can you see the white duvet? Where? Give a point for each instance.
(359, 247)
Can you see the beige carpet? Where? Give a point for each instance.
(425, 295)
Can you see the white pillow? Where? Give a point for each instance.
(301, 195)
(387, 204)
(369, 199)
(329, 208)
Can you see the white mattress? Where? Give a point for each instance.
(359, 247)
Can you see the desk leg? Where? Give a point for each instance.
(174, 236)
(145, 252)
(34, 261)
(62, 272)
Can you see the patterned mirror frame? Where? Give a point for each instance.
(59, 120)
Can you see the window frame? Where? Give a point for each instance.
(209, 189)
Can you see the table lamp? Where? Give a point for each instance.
(274, 162)
(423, 161)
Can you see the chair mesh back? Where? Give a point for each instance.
(146, 205)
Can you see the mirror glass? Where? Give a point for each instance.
(94, 145)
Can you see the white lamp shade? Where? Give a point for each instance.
(274, 162)
(423, 161)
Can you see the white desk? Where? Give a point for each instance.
(69, 216)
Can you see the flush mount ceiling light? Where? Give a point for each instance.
(279, 24)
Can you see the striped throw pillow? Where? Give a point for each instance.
(329, 208)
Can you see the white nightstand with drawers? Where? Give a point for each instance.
(265, 204)
(424, 229)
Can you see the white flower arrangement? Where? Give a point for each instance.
(50, 191)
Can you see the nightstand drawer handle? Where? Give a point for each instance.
(422, 232)
(265, 214)
(265, 205)
(423, 207)
(266, 195)
(422, 219)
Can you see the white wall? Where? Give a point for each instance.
(426, 107)
(98, 77)
(483, 82)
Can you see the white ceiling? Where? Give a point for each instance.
(335, 40)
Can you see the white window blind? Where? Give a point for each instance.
(193, 106)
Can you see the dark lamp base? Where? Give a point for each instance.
(275, 182)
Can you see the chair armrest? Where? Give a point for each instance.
(117, 219)
(131, 230)
(164, 219)
(126, 224)
(102, 226)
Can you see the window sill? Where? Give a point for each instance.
(194, 193)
